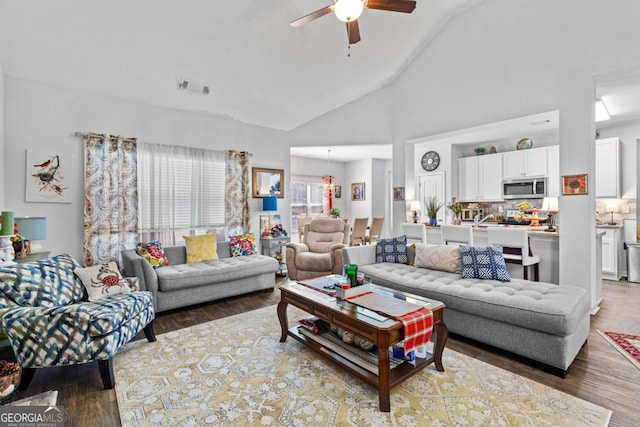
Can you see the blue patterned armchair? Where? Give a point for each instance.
(49, 322)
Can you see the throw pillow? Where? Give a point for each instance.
(442, 258)
(392, 249)
(153, 252)
(243, 244)
(201, 248)
(484, 263)
(102, 280)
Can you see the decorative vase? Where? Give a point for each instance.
(433, 221)
(457, 220)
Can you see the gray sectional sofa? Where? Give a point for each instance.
(180, 284)
(541, 321)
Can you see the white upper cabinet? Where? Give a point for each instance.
(553, 171)
(525, 163)
(468, 179)
(480, 178)
(490, 177)
(608, 168)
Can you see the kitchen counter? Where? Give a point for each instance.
(609, 226)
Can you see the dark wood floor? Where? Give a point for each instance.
(599, 374)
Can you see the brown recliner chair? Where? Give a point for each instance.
(320, 252)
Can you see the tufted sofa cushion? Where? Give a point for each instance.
(183, 276)
(539, 306)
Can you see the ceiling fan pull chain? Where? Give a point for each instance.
(348, 51)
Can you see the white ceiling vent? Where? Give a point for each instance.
(189, 85)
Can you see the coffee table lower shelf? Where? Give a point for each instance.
(397, 374)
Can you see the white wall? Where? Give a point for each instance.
(488, 65)
(41, 116)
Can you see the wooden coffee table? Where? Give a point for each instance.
(382, 331)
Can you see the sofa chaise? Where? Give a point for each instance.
(180, 284)
(540, 321)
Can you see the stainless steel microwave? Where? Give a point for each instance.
(524, 188)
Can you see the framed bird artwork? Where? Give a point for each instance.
(48, 177)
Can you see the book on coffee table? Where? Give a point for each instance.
(324, 284)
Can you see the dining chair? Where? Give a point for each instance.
(516, 249)
(457, 234)
(358, 231)
(374, 231)
(301, 221)
(414, 232)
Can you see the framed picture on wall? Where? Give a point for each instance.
(398, 193)
(49, 176)
(574, 184)
(337, 192)
(357, 191)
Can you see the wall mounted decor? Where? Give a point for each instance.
(267, 182)
(48, 177)
(337, 192)
(357, 191)
(398, 193)
(574, 184)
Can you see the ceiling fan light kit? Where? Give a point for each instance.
(350, 10)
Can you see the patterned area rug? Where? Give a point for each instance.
(628, 345)
(234, 371)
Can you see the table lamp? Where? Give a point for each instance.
(612, 208)
(269, 204)
(415, 207)
(32, 228)
(550, 205)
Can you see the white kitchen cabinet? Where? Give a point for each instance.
(608, 168)
(611, 253)
(468, 179)
(525, 163)
(480, 178)
(490, 177)
(553, 171)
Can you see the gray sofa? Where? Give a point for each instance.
(180, 284)
(540, 321)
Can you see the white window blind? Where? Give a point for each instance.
(306, 197)
(181, 190)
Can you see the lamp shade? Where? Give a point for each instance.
(415, 205)
(32, 228)
(348, 10)
(550, 204)
(270, 203)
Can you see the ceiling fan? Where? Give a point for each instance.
(350, 10)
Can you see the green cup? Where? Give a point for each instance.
(352, 273)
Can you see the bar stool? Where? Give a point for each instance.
(414, 232)
(457, 234)
(516, 250)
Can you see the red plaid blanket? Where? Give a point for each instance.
(418, 327)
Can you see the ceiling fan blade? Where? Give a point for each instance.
(404, 6)
(353, 32)
(310, 17)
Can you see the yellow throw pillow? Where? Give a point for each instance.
(201, 248)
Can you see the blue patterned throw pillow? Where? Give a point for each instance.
(484, 263)
(392, 250)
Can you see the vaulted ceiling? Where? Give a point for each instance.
(260, 70)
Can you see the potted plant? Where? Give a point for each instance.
(479, 150)
(456, 208)
(432, 207)
(334, 212)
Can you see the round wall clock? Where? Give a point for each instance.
(430, 161)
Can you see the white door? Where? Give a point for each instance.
(432, 185)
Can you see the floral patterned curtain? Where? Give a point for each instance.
(110, 197)
(237, 191)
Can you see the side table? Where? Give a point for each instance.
(274, 247)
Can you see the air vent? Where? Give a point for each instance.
(192, 86)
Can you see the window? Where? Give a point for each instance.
(306, 198)
(181, 191)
